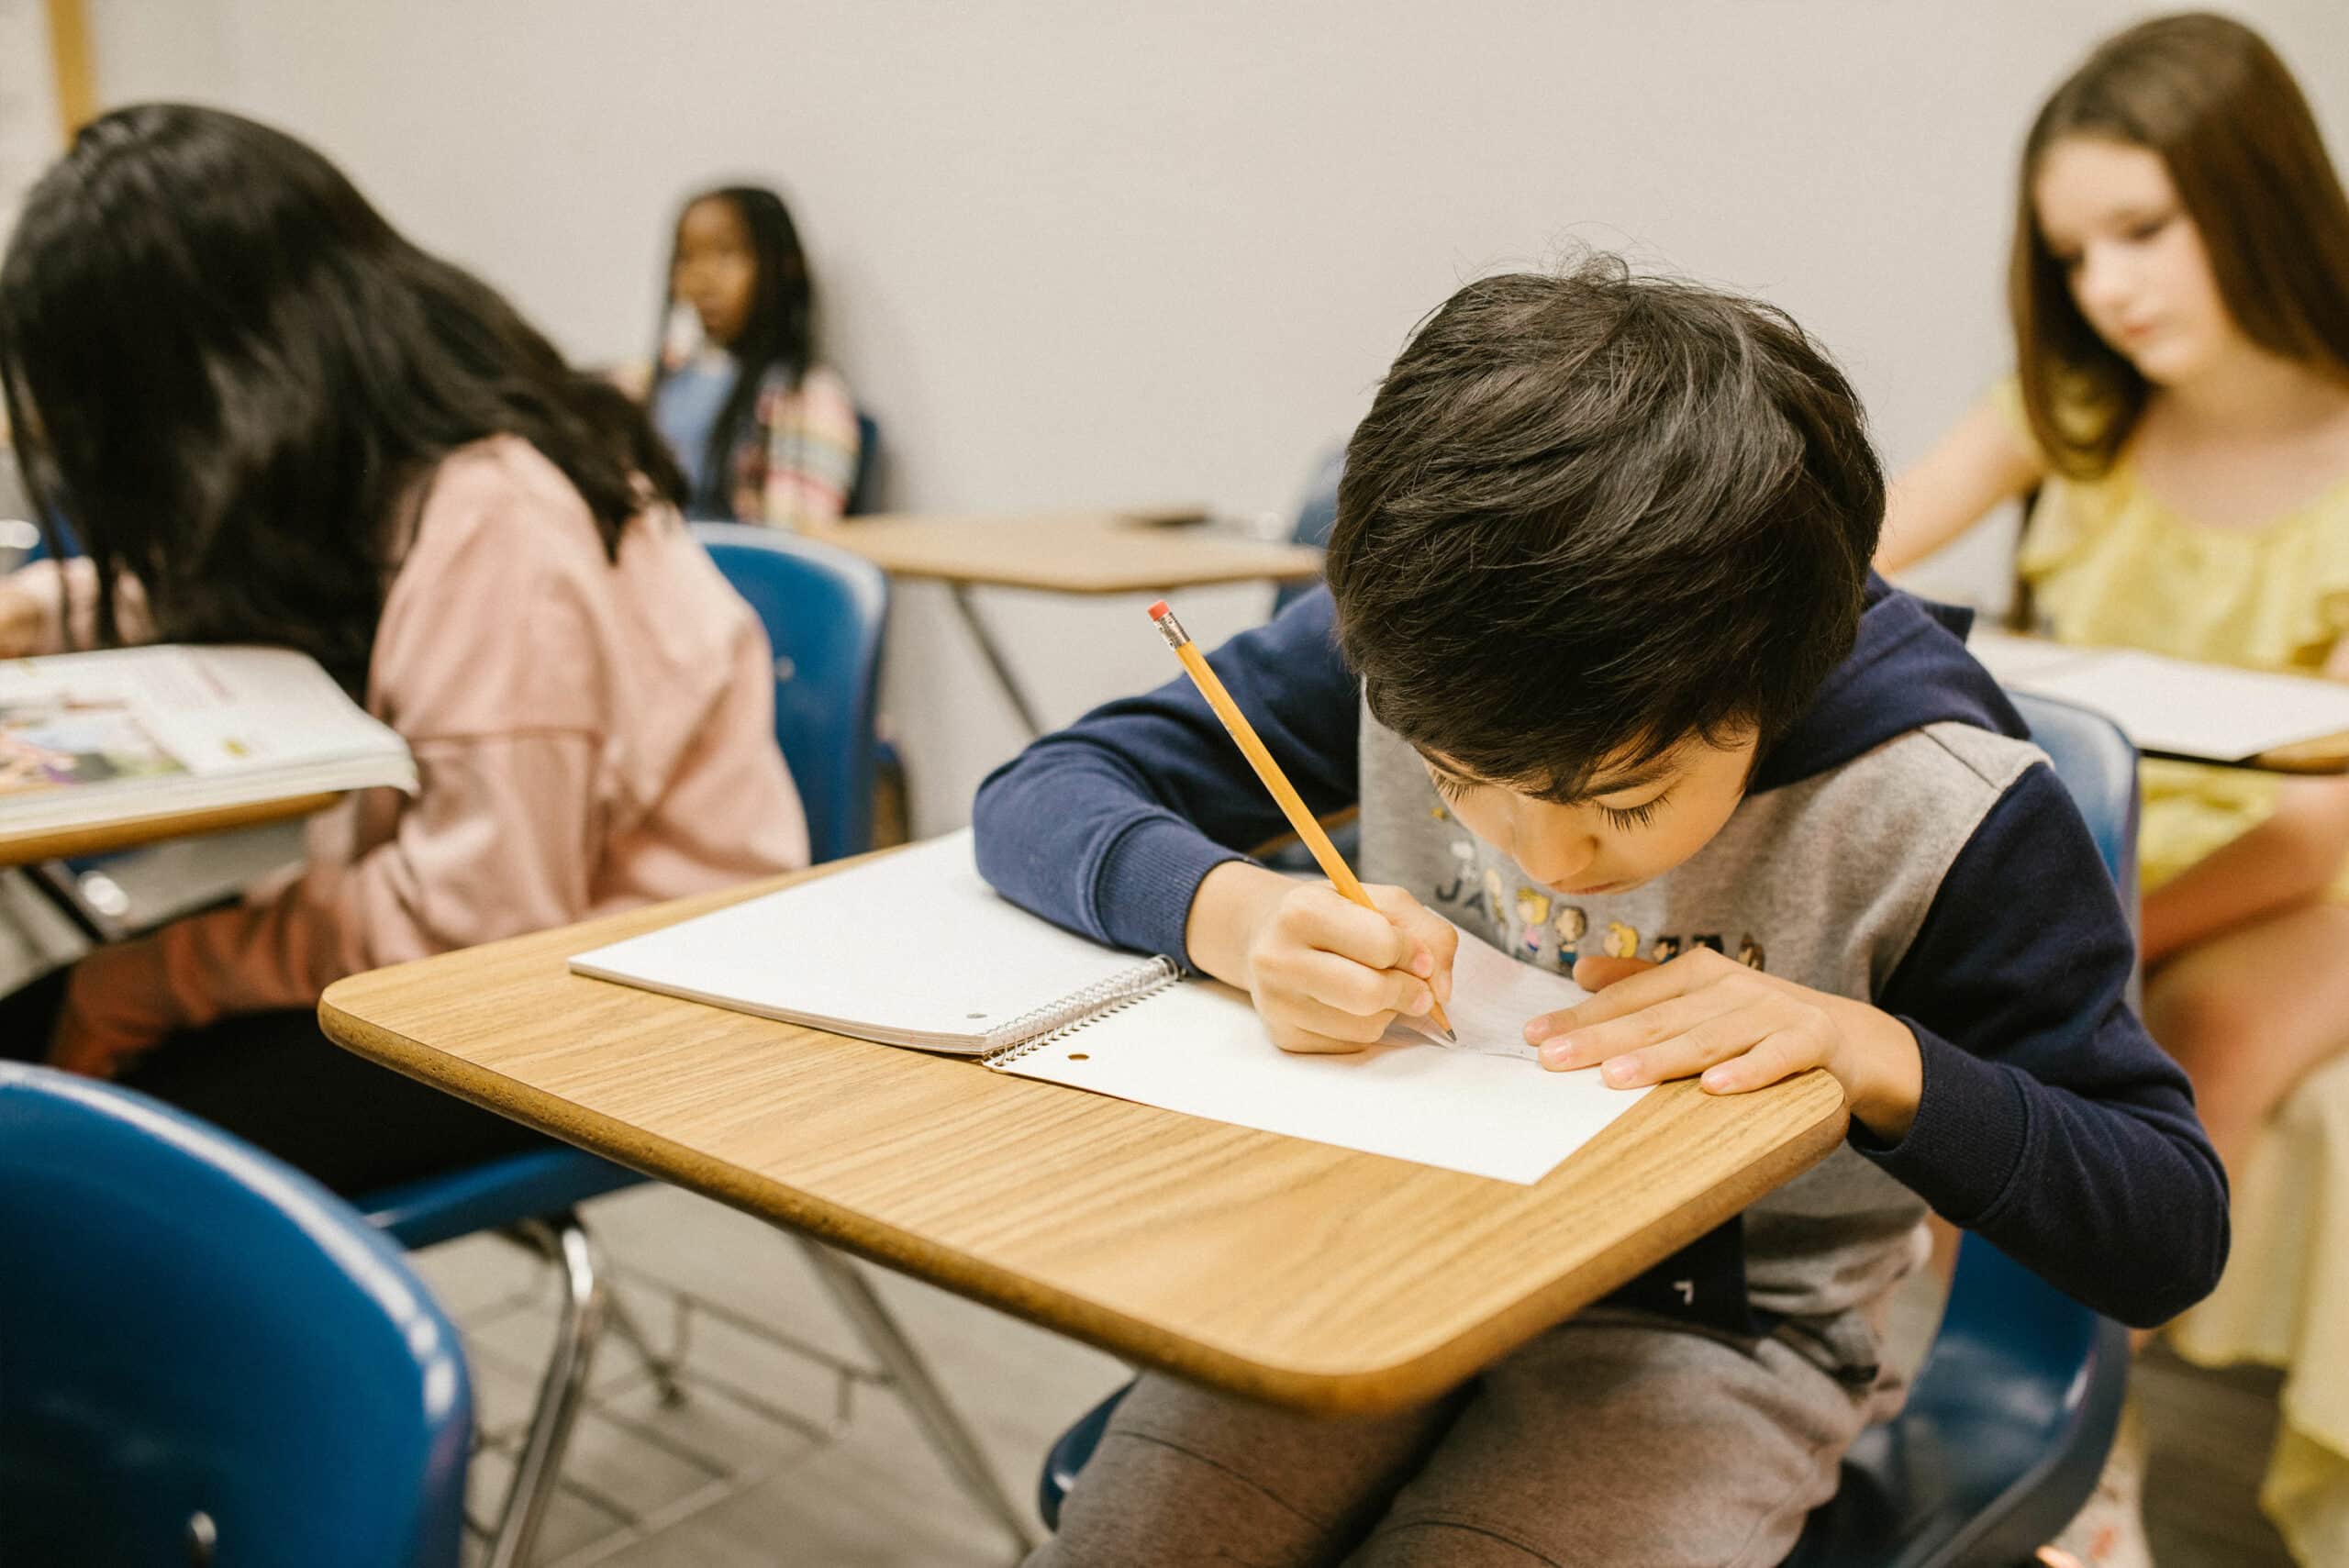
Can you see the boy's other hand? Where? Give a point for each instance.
(1739, 1027)
(1326, 975)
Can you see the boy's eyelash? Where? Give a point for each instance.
(1629, 816)
(1621, 818)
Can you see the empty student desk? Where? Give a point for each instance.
(1295, 1271)
(1151, 551)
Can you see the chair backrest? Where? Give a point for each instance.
(2098, 767)
(864, 489)
(824, 610)
(188, 1327)
(1315, 515)
(68, 546)
(2006, 1430)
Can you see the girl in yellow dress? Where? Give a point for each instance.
(2180, 295)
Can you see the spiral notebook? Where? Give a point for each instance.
(915, 949)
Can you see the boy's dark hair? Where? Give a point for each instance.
(1590, 515)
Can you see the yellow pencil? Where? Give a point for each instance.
(1333, 865)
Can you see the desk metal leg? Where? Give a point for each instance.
(562, 1389)
(55, 881)
(909, 1375)
(992, 654)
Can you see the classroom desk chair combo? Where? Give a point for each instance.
(1205, 1249)
(1080, 552)
(2004, 1434)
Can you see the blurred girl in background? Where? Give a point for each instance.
(2180, 295)
(762, 432)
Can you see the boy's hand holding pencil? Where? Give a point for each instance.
(1326, 975)
(1329, 967)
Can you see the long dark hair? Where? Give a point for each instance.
(2208, 94)
(779, 332)
(233, 377)
(1592, 513)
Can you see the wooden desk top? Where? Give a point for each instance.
(26, 847)
(2325, 754)
(1067, 552)
(1295, 1271)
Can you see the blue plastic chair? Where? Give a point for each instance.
(1316, 515)
(2006, 1430)
(864, 499)
(864, 490)
(2004, 1434)
(824, 610)
(205, 1356)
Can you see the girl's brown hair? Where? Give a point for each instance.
(2210, 97)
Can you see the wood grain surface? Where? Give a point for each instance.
(23, 848)
(1293, 1271)
(1066, 552)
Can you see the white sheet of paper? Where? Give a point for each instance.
(1484, 1108)
(2173, 705)
(2015, 661)
(915, 949)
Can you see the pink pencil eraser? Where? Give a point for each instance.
(1158, 609)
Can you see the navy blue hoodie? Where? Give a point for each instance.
(2049, 1122)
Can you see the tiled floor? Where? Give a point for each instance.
(837, 1476)
(787, 1450)
(787, 1453)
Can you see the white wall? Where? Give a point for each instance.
(29, 123)
(1083, 252)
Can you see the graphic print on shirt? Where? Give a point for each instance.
(1487, 896)
(1572, 926)
(1532, 911)
(1461, 888)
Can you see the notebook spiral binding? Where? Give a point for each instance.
(1045, 1025)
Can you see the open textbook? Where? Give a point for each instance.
(2174, 707)
(914, 948)
(89, 739)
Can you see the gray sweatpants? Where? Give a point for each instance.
(1615, 1439)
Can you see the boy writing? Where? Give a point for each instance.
(1599, 610)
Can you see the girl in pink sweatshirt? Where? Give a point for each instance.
(271, 419)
